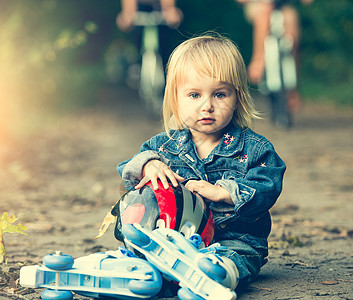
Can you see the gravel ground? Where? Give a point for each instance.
(61, 181)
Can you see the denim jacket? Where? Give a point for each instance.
(244, 162)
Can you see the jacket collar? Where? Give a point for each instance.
(231, 142)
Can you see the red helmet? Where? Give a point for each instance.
(176, 208)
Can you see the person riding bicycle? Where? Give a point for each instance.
(258, 13)
(171, 14)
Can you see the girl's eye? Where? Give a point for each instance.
(220, 95)
(194, 95)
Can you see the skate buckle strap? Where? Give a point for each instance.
(120, 253)
(213, 249)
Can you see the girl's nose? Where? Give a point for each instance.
(207, 105)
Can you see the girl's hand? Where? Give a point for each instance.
(154, 170)
(214, 193)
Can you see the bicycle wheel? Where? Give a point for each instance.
(280, 116)
(152, 82)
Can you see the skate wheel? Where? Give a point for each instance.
(186, 294)
(58, 261)
(214, 271)
(56, 295)
(196, 240)
(146, 288)
(135, 236)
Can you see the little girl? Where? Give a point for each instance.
(208, 146)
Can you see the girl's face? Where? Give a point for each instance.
(205, 105)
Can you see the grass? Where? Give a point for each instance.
(338, 93)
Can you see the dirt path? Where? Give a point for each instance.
(62, 181)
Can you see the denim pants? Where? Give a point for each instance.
(247, 259)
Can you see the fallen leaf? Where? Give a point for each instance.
(265, 289)
(109, 219)
(6, 226)
(344, 280)
(6, 221)
(346, 233)
(330, 282)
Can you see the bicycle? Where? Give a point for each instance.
(152, 78)
(280, 67)
(280, 74)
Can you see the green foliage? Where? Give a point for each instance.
(42, 57)
(223, 16)
(326, 50)
(52, 51)
(326, 65)
(7, 226)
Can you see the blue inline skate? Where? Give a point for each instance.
(200, 275)
(117, 274)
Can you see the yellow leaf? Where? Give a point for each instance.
(19, 228)
(109, 219)
(6, 220)
(2, 249)
(6, 225)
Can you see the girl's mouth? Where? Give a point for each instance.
(206, 121)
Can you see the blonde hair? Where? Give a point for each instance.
(217, 57)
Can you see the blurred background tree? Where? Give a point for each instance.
(326, 51)
(53, 53)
